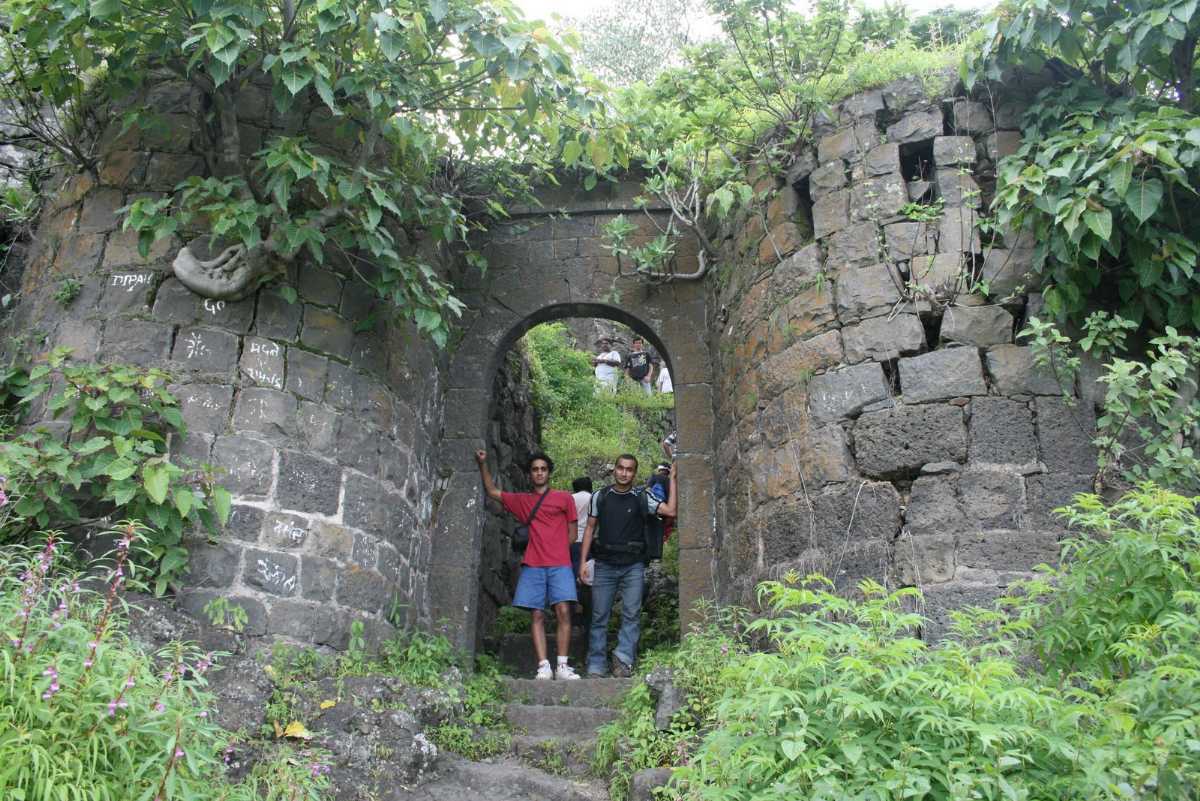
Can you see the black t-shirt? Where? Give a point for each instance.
(639, 364)
(621, 524)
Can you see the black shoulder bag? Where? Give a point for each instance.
(520, 534)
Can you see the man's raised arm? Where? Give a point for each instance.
(667, 508)
(489, 486)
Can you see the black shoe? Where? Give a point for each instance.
(620, 670)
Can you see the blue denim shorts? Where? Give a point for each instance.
(543, 587)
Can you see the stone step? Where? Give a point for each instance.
(582, 693)
(557, 721)
(516, 650)
(501, 780)
(556, 755)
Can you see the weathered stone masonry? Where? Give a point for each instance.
(827, 420)
(323, 421)
(863, 432)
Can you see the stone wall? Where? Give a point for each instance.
(874, 416)
(513, 434)
(322, 415)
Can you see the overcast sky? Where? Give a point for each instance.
(544, 8)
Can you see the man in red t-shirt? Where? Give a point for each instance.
(546, 577)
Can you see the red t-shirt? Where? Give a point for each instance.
(548, 534)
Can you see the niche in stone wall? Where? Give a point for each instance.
(916, 167)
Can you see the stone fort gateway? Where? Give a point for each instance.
(828, 420)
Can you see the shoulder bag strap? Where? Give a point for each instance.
(533, 514)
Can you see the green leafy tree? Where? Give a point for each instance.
(582, 426)
(712, 134)
(1147, 47)
(1106, 188)
(623, 43)
(436, 101)
(1105, 183)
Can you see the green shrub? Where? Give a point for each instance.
(1149, 428)
(482, 731)
(85, 714)
(511, 620)
(1082, 684)
(417, 658)
(115, 464)
(633, 742)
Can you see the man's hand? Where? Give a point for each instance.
(489, 486)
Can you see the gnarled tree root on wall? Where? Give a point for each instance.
(209, 267)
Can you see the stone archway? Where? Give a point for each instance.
(545, 267)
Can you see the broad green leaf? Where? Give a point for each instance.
(572, 150)
(121, 469)
(92, 446)
(222, 504)
(1119, 177)
(296, 80)
(1144, 198)
(100, 9)
(156, 478)
(184, 499)
(792, 748)
(1100, 222)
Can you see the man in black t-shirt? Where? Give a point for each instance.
(617, 528)
(639, 367)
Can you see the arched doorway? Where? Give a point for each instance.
(547, 268)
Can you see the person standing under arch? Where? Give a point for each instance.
(617, 526)
(608, 365)
(639, 366)
(546, 579)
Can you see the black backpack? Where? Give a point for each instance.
(653, 529)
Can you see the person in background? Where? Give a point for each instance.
(639, 365)
(668, 444)
(659, 485)
(608, 365)
(546, 580)
(663, 382)
(581, 491)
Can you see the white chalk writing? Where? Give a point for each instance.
(204, 401)
(285, 528)
(263, 377)
(213, 306)
(265, 348)
(195, 345)
(130, 281)
(274, 575)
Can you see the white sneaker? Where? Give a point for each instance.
(544, 671)
(565, 672)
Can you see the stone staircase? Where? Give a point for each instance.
(555, 725)
(555, 722)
